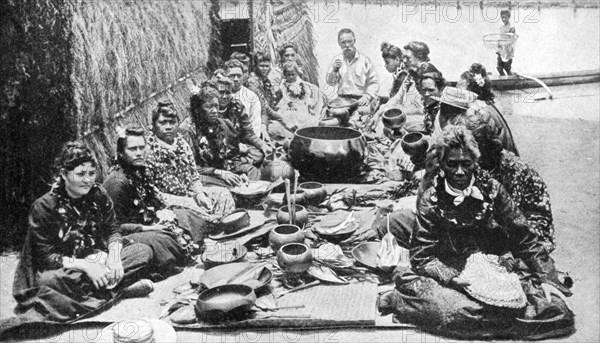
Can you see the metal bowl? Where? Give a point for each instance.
(328, 154)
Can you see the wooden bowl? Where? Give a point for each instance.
(314, 192)
(300, 219)
(235, 221)
(393, 118)
(283, 234)
(225, 301)
(294, 258)
(414, 144)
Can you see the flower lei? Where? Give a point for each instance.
(459, 217)
(293, 93)
(78, 230)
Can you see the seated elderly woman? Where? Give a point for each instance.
(300, 106)
(225, 147)
(74, 260)
(175, 233)
(459, 285)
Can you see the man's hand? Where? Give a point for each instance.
(337, 64)
(230, 178)
(364, 100)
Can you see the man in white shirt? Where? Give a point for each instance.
(355, 76)
(235, 71)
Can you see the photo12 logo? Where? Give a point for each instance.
(470, 11)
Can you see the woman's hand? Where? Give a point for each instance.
(363, 101)
(115, 271)
(204, 201)
(230, 178)
(154, 227)
(458, 282)
(97, 273)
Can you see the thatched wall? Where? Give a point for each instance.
(277, 22)
(75, 69)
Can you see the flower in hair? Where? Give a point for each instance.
(121, 131)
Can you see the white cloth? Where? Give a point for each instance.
(356, 77)
(252, 107)
(460, 196)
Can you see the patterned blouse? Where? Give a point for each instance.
(60, 226)
(173, 170)
(530, 194)
(448, 234)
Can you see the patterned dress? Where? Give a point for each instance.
(447, 235)
(173, 171)
(530, 194)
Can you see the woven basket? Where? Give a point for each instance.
(491, 283)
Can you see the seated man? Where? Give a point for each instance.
(172, 168)
(234, 70)
(355, 76)
(260, 84)
(227, 150)
(174, 235)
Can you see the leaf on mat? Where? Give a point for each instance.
(325, 273)
(184, 315)
(266, 302)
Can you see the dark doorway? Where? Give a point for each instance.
(236, 36)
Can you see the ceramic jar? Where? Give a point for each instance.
(294, 258)
(283, 234)
(300, 219)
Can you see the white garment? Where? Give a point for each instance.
(252, 107)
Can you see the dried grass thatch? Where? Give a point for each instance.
(77, 69)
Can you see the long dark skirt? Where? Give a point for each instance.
(448, 312)
(63, 295)
(167, 253)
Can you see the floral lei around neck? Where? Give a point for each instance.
(150, 207)
(79, 230)
(448, 211)
(292, 94)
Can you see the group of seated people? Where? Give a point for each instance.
(169, 186)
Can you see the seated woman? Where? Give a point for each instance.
(174, 235)
(73, 254)
(477, 81)
(464, 214)
(216, 139)
(300, 106)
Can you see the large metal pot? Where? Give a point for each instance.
(328, 154)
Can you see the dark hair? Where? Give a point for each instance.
(390, 51)
(166, 108)
(234, 64)
(503, 12)
(484, 92)
(346, 30)
(240, 56)
(419, 49)
(197, 101)
(130, 130)
(262, 56)
(72, 155)
(225, 81)
(487, 135)
(284, 47)
(437, 78)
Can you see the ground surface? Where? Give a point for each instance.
(566, 153)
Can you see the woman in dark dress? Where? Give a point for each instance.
(463, 216)
(74, 260)
(173, 234)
